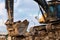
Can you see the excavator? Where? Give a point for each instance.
(50, 11)
(14, 27)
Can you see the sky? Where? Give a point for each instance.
(23, 9)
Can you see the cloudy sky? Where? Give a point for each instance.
(23, 9)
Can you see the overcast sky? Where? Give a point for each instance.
(23, 9)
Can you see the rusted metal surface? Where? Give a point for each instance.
(18, 28)
(41, 33)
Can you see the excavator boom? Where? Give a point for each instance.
(43, 4)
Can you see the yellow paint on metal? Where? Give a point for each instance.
(41, 19)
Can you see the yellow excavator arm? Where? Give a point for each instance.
(41, 19)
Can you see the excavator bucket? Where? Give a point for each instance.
(19, 28)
